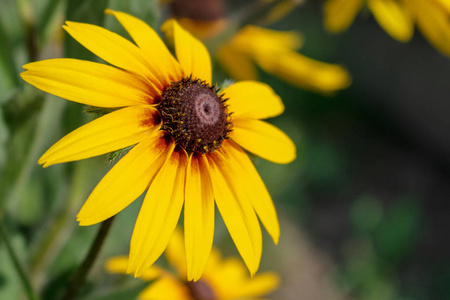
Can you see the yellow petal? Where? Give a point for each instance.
(394, 17)
(434, 23)
(236, 211)
(339, 14)
(305, 72)
(260, 285)
(264, 139)
(127, 180)
(238, 65)
(244, 171)
(175, 252)
(214, 263)
(159, 213)
(166, 288)
(191, 53)
(117, 130)
(232, 271)
(89, 83)
(253, 39)
(198, 217)
(251, 99)
(155, 51)
(119, 264)
(113, 48)
(445, 5)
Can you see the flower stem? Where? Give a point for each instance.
(23, 277)
(80, 276)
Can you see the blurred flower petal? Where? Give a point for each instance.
(394, 17)
(339, 14)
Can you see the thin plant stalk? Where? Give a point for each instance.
(80, 276)
(20, 271)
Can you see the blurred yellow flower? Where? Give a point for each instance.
(396, 17)
(275, 52)
(186, 147)
(224, 279)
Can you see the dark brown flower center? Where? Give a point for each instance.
(208, 10)
(195, 115)
(200, 290)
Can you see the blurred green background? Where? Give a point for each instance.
(364, 209)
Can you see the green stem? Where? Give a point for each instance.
(26, 10)
(23, 277)
(80, 276)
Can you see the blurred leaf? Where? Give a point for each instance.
(146, 10)
(26, 147)
(75, 249)
(128, 293)
(48, 14)
(7, 59)
(30, 204)
(397, 234)
(4, 136)
(55, 288)
(11, 286)
(365, 214)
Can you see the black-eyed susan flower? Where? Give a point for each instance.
(186, 138)
(396, 17)
(273, 51)
(224, 279)
(276, 53)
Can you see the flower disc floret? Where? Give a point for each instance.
(195, 115)
(200, 290)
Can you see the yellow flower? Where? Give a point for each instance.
(188, 149)
(275, 52)
(224, 279)
(397, 18)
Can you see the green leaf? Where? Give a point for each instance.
(48, 14)
(365, 214)
(399, 231)
(11, 286)
(124, 293)
(7, 59)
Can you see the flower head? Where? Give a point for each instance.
(397, 18)
(224, 279)
(275, 52)
(186, 139)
